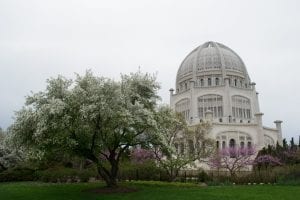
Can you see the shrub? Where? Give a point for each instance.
(63, 174)
(288, 175)
(141, 171)
(203, 177)
(17, 174)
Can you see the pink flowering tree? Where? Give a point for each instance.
(266, 161)
(140, 155)
(233, 159)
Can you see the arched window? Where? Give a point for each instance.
(249, 145)
(217, 144)
(209, 81)
(231, 143)
(217, 81)
(232, 150)
(235, 82)
(210, 102)
(268, 141)
(242, 145)
(241, 107)
(185, 86)
(183, 107)
(201, 82)
(223, 145)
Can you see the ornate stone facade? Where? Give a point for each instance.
(213, 84)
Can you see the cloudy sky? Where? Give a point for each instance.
(41, 39)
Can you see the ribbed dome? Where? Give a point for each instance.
(211, 58)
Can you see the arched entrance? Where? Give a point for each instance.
(231, 143)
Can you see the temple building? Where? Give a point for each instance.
(212, 83)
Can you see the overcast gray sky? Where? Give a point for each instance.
(41, 39)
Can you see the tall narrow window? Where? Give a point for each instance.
(209, 81)
(249, 145)
(223, 145)
(217, 81)
(235, 82)
(242, 145)
(232, 146)
(201, 82)
(232, 143)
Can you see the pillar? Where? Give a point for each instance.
(260, 132)
(279, 133)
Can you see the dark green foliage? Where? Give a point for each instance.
(284, 144)
(287, 154)
(292, 144)
(17, 174)
(141, 171)
(289, 175)
(203, 177)
(63, 174)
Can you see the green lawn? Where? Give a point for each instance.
(151, 191)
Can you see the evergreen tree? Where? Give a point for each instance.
(292, 144)
(285, 145)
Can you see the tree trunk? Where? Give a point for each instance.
(110, 176)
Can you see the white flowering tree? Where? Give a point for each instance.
(93, 117)
(174, 129)
(9, 156)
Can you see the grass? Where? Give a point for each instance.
(146, 190)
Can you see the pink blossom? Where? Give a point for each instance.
(233, 159)
(267, 160)
(139, 155)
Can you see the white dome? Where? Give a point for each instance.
(211, 58)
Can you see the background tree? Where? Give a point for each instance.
(287, 155)
(266, 161)
(139, 155)
(284, 144)
(292, 144)
(174, 128)
(92, 117)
